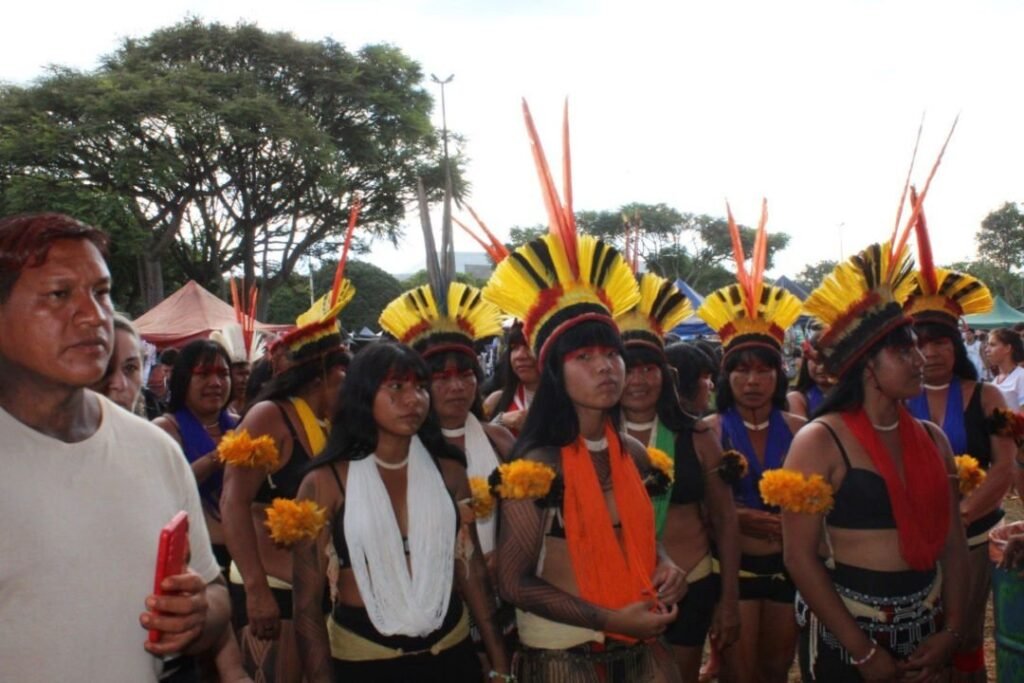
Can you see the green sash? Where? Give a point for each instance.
(664, 440)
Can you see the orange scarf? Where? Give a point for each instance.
(608, 574)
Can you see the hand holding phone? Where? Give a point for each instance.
(171, 558)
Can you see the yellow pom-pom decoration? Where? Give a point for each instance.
(794, 492)
(483, 500)
(238, 448)
(661, 462)
(290, 521)
(525, 479)
(969, 473)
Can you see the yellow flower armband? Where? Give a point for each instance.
(522, 479)
(659, 479)
(238, 448)
(1008, 423)
(794, 492)
(483, 500)
(290, 521)
(969, 473)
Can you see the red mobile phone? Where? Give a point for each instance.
(171, 557)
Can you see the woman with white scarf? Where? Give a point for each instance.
(398, 554)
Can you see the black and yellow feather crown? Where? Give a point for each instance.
(750, 313)
(562, 278)
(662, 306)
(940, 295)
(863, 299)
(430, 326)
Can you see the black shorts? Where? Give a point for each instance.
(772, 581)
(458, 664)
(239, 616)
(695, 612)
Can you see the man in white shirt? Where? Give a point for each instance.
(974, 353)
(86, 487)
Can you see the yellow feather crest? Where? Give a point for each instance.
(322, 311)
(726, 311)
(957, 294)
(661, 308)
(414, 315)
(850, 284)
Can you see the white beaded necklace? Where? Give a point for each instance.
(886, 428)
(641, 426)
(759, 427)
(936, 387)
(599, 445)
(385, 465)
(454, 433)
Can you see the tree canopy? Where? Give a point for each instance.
(216, 148)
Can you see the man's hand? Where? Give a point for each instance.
(179, 614)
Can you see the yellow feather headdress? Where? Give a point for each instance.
(560, 279)
(416, 319)
(750, 313)
(940, 295)
(662, 306)
(317, 330)
(863, 299)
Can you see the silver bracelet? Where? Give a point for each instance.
(864, 660)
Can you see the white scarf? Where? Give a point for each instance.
(397, 603)
(482, 461)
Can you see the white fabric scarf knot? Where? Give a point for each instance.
(397, 603)
(482, 460)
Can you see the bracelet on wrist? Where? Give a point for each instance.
(866, 658)
(505, 678)
(957, 636)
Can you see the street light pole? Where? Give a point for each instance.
(444, 117)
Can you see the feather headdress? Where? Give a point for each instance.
(442, 315)
(317, 330)
(491, 244)
(662, 306)
(750, 313)
(560, 279)
(237, 338)
(862, 300)
(941, 295)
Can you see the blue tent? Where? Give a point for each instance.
(692, 326)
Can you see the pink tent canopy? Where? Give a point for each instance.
(190, 313)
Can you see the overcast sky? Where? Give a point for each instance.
(813, 105)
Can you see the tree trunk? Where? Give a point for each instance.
(152, 279)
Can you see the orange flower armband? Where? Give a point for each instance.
(483, 500)
(290, 521)
(969, 473)
(794, 492)
(238, 448)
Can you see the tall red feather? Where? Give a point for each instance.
(739, 257)
(925, 261)
(499, 248)
(760, 255)
(564, 230)
(339, 273)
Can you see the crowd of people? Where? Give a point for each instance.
(621, 508)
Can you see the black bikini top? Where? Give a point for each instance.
(689, 473)
(285, 482)
(862, 501)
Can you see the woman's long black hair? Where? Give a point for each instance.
(848, 393)
(770, 357)
(294, 379)
(962, 365)
(509, 379)
(191, 355)
(689, 362)
(552, 419)
(670, 413)
(354, 430)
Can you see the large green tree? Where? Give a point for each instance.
(814, 273)
(229, 147)
(1001, 237)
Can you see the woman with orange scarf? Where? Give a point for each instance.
(592, 589)
(887, 601)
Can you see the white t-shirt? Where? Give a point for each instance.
(1012, 387)
(78, 546)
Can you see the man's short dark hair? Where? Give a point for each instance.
(25, 241)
